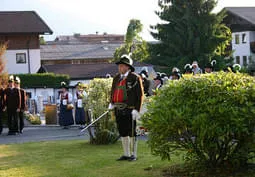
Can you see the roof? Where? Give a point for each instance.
(90, 70)
(84, 71)
(22, 22)
(79, 51)
(240, 18)
(247, 13)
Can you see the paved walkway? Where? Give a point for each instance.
(46, 133)
(43, 133)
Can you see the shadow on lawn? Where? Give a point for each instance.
(189, 170)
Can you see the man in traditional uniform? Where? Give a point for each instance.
(23, 103)
(126, 98)
(12, 104)
(79, 97)
(66, 107)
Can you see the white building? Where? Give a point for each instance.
(20, 30)
(241, 45)
(241, 21)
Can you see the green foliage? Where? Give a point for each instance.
(190, 32)
(50, 80)
(210, 116)
(133, 43)
(42, 41)
(98, 101)
(33, 118)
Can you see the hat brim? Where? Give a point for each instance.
(66, 87)
(131, 67)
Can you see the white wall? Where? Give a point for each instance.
(241, 49)
(35, 92)
(14, 68)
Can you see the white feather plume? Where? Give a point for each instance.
(237, 67)
(213, 62)
(187, 65)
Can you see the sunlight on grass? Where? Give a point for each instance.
(76, 158)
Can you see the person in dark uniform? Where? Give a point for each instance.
(79, 96)
(126, 100)
(23, 103)
(1, 108)
(146, 82)
(188, 69)
(66, 107)
(175, 75)
(12, 104)
(209, 67)
(158, 82)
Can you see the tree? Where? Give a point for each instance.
(133, 43)
(42, 41)
(190, 32)
(3, 73)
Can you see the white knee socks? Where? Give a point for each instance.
(126, 145)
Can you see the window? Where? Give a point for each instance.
(250, 59)
(245, 60)
(244, 38)
(20, 58)
(237, 39)
(238, 59)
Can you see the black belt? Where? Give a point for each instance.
(121, 106)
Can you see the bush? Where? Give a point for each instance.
(33, 118)
(98, 101)
(49, 80)
(210, 116)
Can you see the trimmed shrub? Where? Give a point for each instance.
(98, 101)
(211, 117)
(49, 80)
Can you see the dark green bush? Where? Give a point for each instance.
(211, 117)
(49, 80)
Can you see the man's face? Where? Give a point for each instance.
(16, 85)
(174, 77)
(63, 90)
(123, 68)
(10, 84)
(208, 70)
(156, 82)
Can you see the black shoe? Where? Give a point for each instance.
(21, 131)
(12, 133)
(82, 127)
(132, 158)
(123, 158)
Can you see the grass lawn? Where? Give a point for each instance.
(77, 158)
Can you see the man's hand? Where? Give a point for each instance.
(135, 114)
(111, 107)
(18, 110)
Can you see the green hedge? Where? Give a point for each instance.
(49, 80)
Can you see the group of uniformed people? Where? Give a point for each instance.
(13, 101)
(66, 107)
